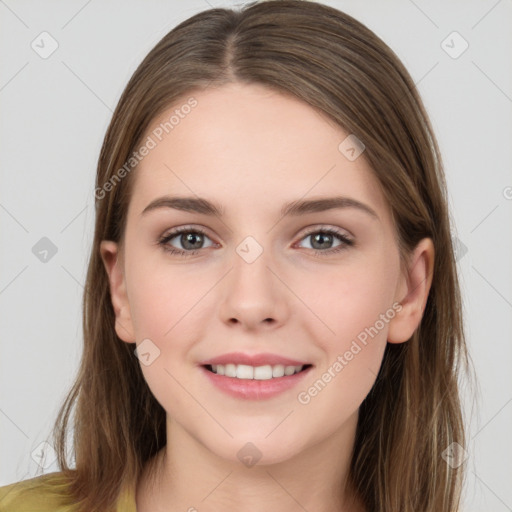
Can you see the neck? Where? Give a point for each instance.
(189, 476)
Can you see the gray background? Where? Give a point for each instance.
(55, 112)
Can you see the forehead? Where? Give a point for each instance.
(249, 146)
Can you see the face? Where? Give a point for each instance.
(317, 287)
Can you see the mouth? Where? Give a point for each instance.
(247, 372)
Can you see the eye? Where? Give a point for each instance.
(322, 240)
(190, 240)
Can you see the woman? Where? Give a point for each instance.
(270, 369)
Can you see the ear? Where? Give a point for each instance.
(112, 260)
(412, 292)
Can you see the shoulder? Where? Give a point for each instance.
(45, 493)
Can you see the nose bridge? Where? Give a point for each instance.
(251, 274)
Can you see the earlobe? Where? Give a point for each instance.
(413, 293)
(110, 256)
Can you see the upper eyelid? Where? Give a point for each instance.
(326, 227)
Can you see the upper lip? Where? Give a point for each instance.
(262, 359)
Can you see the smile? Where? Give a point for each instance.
(246, 382)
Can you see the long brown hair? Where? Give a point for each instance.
(331, 61)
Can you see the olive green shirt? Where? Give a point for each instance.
(44, 494)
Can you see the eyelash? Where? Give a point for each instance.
(164, 240)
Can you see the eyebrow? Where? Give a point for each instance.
(295, 208)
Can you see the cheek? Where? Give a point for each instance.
(357, 311)
(163, 299)
(355, 305)
(164, 304)
(350, 299)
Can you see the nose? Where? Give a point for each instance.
(253, 297)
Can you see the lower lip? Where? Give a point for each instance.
(253, 389)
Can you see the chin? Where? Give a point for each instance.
(255, 449)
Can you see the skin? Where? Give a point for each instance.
(252, 150)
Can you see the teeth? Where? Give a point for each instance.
(243, 371)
